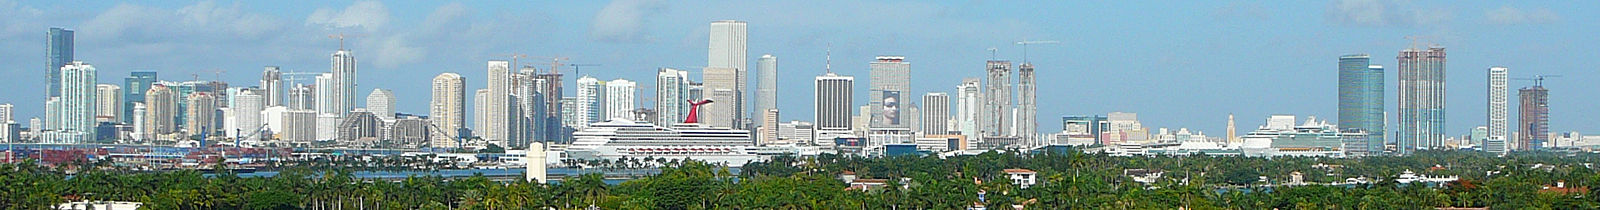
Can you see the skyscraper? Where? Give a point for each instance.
(766, 85)
(891, 78)
(161, 111)
(75, 114)
(550, 86)
(134, 88)
(727, 50)
(447, 107)
(344, 82)
(1027, 123)
(58, 48)
(996, 115)
(498, 107)
(480, 112)
(246, 108)
(722, 87)
(590, 101)
(302, 97)
(672, 95)
(272, 86)
(834, 98)
(1498, 126)
(202, 114)
(1533, 118)
(108, 103)
(6, 122)
(619, 99)
(1422, 99)
(1361, 99)
(769, 127)
(381, 103)
(327, 95)
(969, 106)
(935, 113)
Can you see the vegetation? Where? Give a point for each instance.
(1067, 180)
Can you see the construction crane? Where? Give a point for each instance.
(576, 68)
(993, 52)
(460, 142)
(341, 37)
(1025, 44)
(1538, 80)
(1415, 39)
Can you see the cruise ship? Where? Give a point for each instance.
(619, 138)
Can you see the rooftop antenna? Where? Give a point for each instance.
(829, 56)
(993, 52)
(341, 36)
(1416, 39)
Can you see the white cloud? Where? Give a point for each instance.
(626, 20)
(1508, 15)
(1382, 13)
(394, 51)
(369, 15)
(201, 21)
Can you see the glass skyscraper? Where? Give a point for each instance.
(58, 45)
(1361, 99)
(133, 89)
(1422, 102)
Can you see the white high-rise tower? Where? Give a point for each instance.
(76, 105)
(969, 106)
(447, 108)
(672, 95)
(498, 104)
(727, 50)
(619, 99)
(381, 102)
(1499, 112)
(766, 85)
(343, 67)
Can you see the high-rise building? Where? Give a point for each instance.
(590, 101)
(480, 112)
(202, 114)
(1533, 118)
(75, 112)
(1422, 99)
(1361, 98)
(343, 63)
(997, 113)
(327, 95)
(619, 99)
(302, 97)
(298, 125)
(891, 78)
(7, 123)
(498, 108)
(410, 131)
(134, 88)
(935, 113)
(1499, 112)
(58, 48)
(246, 108)
(1027, 119)
(833, 105)
(969, 106)
(569, 112)
(552, 127)
(529, 107)
(722, 87)
(672, 96)
(447, 108)
(727, 50)
(108, 103)
(272, 86)
(769, 128)
(360, 128)
(161, 111)
(766, 84)
(381, 104)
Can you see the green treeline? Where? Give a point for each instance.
(1067, 180)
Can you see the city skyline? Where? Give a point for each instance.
(1378, 38)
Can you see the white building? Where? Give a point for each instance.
(726, 49)
(766, 85)
(969, 104)
(833, 106)
(1498, 111)
(447, 109)
(497, 105)
(1022, 177)
(108, 107)
(245, 113)
(890, 91)
(343, 72)
(381, 103)
(589, 105)
(672, 96)
(619, 99)
(75, 112)
(935, 113)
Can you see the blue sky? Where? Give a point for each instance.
(1176, 63)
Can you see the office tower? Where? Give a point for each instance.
(1233, 135)
(996, 115)
(498, 107)
(75, 105)
(302, 97)
(161, 111)
(202, 113)
(530, 114)
(727, 50)
(890, 79)
(935, 113)
(272, 86)
(769, 127)
(1361, 98)
(480, 112)
(134, 88)
(1498, 109)
(590, 100)
(619, 99)
(446, 109)
(58, 48)
(108, 103)
(833, 105)
(697, 91)
(1422, 102)
(766, 84)
(246, 108)
(52, 114)
(298, 125)
(550, 87)
(1533, 118)
(381, 104)
(672, 95)
(722, 87)
(569, 113)
(1027, 121)
(327, 95)
(6, 123)
(969, 106)
(343, 70)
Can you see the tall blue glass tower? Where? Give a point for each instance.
(1361, 100)
(58, 46)
(134, 87)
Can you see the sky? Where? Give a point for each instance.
(1176, 63)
